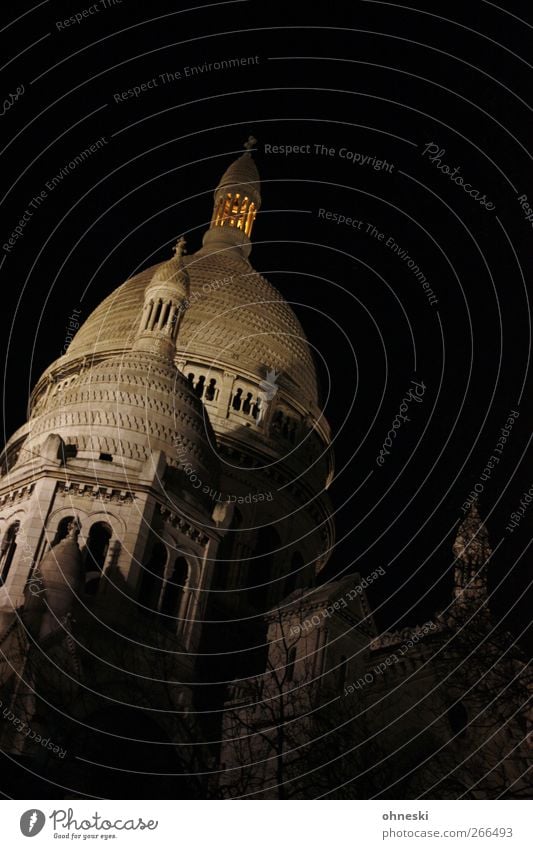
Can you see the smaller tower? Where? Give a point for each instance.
(165, 301)
(61, 576)
(472, 551)
(236, 203)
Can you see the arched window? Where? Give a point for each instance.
(211, 390)
(173, 591)
(342, 672)
(200, 386)
(262, 568)
(247, 404)
(227, 552)
(7, 552)
(62, 529)
(152, 577)
(291, 662)
(95, 555)
(237, 400)
(156, 313)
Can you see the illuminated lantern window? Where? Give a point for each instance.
(233, 210)
(250, 218)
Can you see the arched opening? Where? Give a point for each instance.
(262, 568)
(95, 555)
(173, 592)
(211, 390)
(237, 400)
(62, 529)
(156, 313)
(291, 662)
(148, 313)
(247, 404)
(200, 386)
(7, 552)
(343, 667)
(226, 554)
(250, 218)
(164, 314)
(152, 577)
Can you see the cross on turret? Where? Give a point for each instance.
(180, 248)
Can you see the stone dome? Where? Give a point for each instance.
(242, 173)
(235, 319)
(127, 406)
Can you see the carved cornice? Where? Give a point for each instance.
(87, 490)
(181, 524)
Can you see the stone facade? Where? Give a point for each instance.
(164, 521)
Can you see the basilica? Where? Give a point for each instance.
(164, 527)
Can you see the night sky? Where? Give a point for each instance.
(388, 105)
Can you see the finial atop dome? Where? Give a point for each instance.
(250, 144)
(180, 248)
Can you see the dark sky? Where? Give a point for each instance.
(376, 81)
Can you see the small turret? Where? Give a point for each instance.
(165, 299)
(237, 201)
(61, 576)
